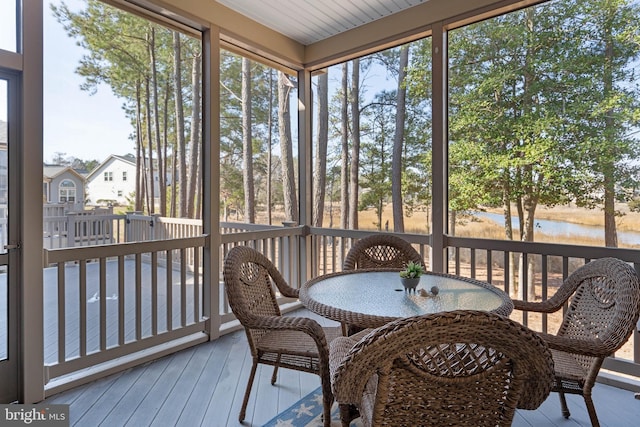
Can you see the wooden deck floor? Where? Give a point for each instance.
(204, 386)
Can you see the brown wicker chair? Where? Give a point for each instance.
(462, 368)
(297, 343)
(381, 251)
(604, 303)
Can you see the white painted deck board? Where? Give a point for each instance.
(204, 386)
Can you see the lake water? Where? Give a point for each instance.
(560, 228)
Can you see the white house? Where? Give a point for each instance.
(111, 182)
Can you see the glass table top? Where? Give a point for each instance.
(380, 293)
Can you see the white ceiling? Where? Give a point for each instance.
(309, 21)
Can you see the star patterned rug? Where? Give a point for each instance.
(307, 412)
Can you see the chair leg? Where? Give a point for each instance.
(345, 413)
(247, 392)
(563, 405)
(327, 401)
(348, 413)
(327, 396)
(274, 376)
(592, 410)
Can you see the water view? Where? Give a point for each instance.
(562, 228)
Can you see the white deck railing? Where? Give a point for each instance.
(75, 229)
(128, 308)
(488, 260)
(104, 303)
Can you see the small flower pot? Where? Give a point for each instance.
(410, 283)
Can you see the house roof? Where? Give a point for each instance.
(309, 21)
(50, 172)
(127, 158)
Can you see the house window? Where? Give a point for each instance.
(108, 176)
(67, 191)
(124, 175)
(119, 193)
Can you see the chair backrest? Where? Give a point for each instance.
(604, 305)
(249, 279)
(381, 251)
(454, 368)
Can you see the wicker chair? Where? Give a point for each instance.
(603, 311)
(297, 343)
(381, 251)
(462, 368)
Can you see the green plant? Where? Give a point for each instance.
(412, 270)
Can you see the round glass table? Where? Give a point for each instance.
(372, 298)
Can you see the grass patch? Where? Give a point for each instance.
(419, 223)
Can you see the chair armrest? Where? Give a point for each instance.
(562, 295)
(288, 291)
(593, 347)
(294, 323)
(548, 306)
(338, 350)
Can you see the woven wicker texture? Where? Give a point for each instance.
(381, 251)
(462, 368)
(296, 343)
(604, 300)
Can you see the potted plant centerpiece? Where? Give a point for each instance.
(410, 276)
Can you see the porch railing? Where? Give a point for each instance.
(104, 303)
(320, 251)
(517, 266)
(75, 229)
(149, 293)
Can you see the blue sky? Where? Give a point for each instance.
(76, 123)
(81, 125)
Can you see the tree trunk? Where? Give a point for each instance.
(286, 148)
(452, 223)
(344, 171)
(165, 140)
(139, 196)
(530, 192)
(150, 175)
(247, 146)
(174, 184)
(320, 164)
(355, 147)
(530, 203)
(398, 140)
(269, 151)
(180, 140)
(156, 119)
(508, 233)
(610, 230)
(194, 144)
